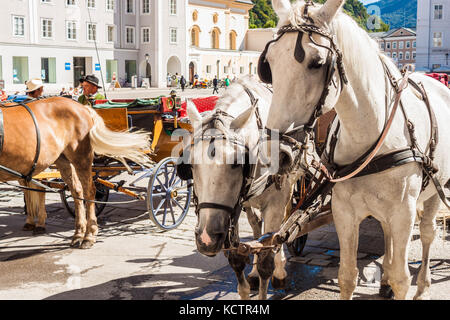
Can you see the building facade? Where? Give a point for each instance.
(218, 33)
(433, 35)
(182, 37)
(54, 40)
(400, 44)
(62, 40)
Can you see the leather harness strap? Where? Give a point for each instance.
(29, 176)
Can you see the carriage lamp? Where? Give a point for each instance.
(147, 57)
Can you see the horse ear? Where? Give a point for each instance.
(329, 10)
(282, 9)
(192, 112)
(242, 119)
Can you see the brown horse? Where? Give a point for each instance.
(70, 134)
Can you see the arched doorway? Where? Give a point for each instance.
(148, 73)
(191, 72)
(173, 69)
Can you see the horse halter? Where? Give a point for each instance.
(334, 60)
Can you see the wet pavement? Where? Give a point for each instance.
(133, 259)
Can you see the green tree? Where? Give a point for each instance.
(262, 15)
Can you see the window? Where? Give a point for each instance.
(20, 70)
(195, 36)
(111, 68)
(388, 45)
(48, 70)
(437, 39)
(70, 3)
(400, 44)
(242, 70)
(18, 26)
(173, 7)
(47, 28)
(91, 4)
(173, 35)
(225, 69)
(394, 55)
(382, 45)
(232, 40)
(110, 34)
(110, 5)
(129, 35)
(71, 30)
(394, 45)
(400, 56)
(438, 12)
(208, 69)
(407, 55)
(46, 1)
(388, 54)
(145, 6)
(408, 44)
(414, 44)
(145, 35)
(91, 31)
(414, 55)
(130, 6)
(130, 69)
(215, 39)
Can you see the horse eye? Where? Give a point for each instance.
(315, 63)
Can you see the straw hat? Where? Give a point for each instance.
(34, 84)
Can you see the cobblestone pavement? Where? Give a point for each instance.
(134, 260)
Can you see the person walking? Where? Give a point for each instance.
(182, 83)
(227, 82)
(215, 83)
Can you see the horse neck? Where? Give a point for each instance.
(361, 108)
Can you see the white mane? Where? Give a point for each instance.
(358, 49)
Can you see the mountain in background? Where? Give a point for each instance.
(397, 13)
(262, 14)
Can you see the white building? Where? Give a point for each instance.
(184, 37)
(433, 35)
(54, 39)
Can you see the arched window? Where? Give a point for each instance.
(232, 40)
(215, 38)
(195, 36)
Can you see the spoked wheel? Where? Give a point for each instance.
(168, 197)
(296, 247)
(101, 194)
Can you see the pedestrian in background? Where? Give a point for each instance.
(182, 82)
(215, 83)
(227, 82)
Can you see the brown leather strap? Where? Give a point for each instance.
(401, 87)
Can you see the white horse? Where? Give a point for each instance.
(391, 196)
(219, 183)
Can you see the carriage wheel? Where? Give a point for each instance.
(168, 197)
(101, 194)
(296, 247)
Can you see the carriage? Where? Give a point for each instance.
(167, 197)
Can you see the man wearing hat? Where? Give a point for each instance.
(90, 90)
(35, 88)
